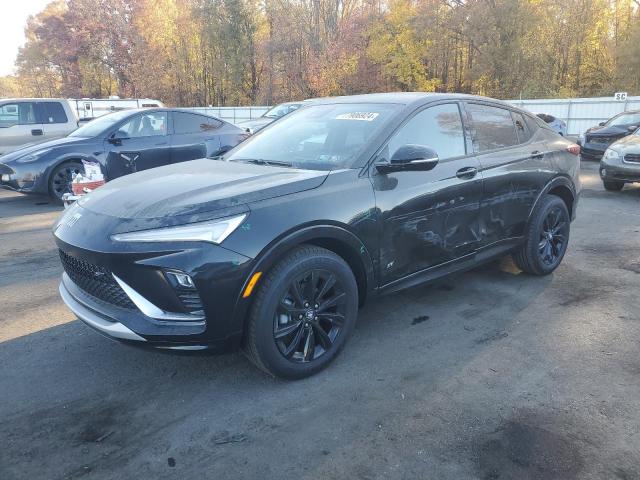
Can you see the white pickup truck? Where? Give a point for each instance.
(33, 120)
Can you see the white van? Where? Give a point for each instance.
(90, 108)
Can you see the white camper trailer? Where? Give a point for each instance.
(90, 108)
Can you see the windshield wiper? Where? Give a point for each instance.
(260, 161)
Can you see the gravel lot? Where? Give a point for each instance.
(486, 375)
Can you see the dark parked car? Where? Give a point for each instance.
(597, 139)
(122, 142)
(279, 111)
(620, 163)
(276, 246)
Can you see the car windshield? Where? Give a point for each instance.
(625, 119)
(100, 124)
(281, 110)
(320, 137)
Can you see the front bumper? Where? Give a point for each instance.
(147, 310)
(620, 171)
(16, 179)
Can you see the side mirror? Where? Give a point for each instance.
(410, 158)
(601, 124)
(117, 137)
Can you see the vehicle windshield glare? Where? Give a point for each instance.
(624, 119)
(99, 125)
(281, 110)
(318, 137)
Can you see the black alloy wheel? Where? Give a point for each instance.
(303, 312)
(61, 178)
(553, 236)
(547, 237)
(309, 316)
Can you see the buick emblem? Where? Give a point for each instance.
(72, 221)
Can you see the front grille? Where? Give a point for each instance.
(601, 140)
(96, 281)
(632, 157)
(191, 301)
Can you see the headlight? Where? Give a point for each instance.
(32, 157)
(214, 232)
(610, 154)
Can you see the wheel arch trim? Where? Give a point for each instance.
(324, 235)
(553, 184)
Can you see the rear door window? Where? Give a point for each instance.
(493, 127)
(19, 113)
(438, 127)
(184, 123)
(53, 112)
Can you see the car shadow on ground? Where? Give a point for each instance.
(103, 407)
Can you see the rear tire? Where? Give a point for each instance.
(613, 185)
(547, 237)
(303, 313)
(60, 179)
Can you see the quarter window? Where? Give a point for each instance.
(22, 113)
(493, 127)
(192, 123)
(438, 127)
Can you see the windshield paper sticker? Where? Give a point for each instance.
(364, 116)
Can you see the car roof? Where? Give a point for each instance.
(403, 98)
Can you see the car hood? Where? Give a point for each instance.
(196, 190)
(628, 144)
(608, 131)
(36, 147)
(256, 124)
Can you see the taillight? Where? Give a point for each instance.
(574, 149)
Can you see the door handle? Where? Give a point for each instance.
(538, 155)
(37, 131)
(467, 173)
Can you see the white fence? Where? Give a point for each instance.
(579, 113)
(233, 114)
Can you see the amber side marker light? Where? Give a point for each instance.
(252, 283)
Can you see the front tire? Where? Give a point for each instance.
(304, 312)
(547, 237)
(61, 177)
(613, 185)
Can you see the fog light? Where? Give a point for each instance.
(603, 172)
(182, 279)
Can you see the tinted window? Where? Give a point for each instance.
(146, 125)
(191, 123)
(625, 119)
(54, 113)
(493, 127)
(522, 128)
(439, 128)
(22, 113)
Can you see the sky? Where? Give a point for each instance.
(14, 19)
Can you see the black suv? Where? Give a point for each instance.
(274, 247)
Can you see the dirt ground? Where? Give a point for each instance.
(486, 375)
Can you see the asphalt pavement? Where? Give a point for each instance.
(490, 374)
